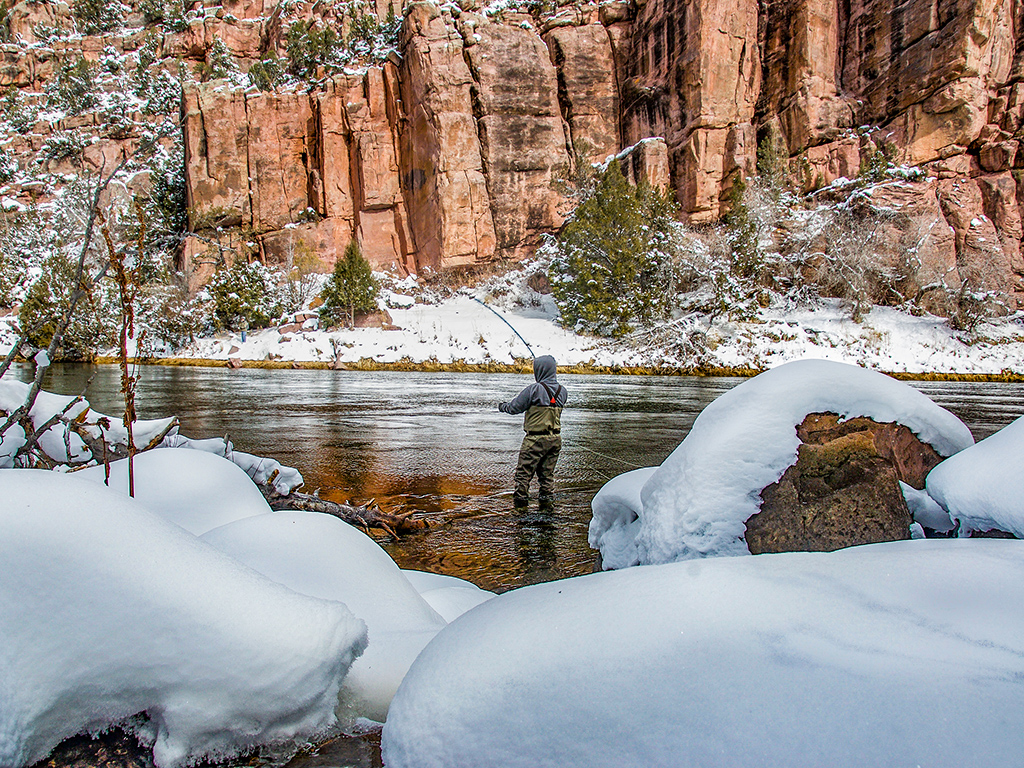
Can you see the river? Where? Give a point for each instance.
(435, 443)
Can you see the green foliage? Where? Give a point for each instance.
(97, 17)
(8, 166)
(165, 207)
(267, 73)
(614, 263)
(46, 302)
(63, 146)
(351, 288)
(170, 14)
(309, 47)
(244, 296)
(219, 62)
(17, 110)
(73, 88)
(773, 159)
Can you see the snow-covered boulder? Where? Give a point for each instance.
(197, 490)
(982, 487)
(698, 500)
(107, 610)
(322, 556)
(891, 654)
(450, 596)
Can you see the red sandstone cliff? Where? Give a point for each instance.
(444, 156)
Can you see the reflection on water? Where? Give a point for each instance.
(436, 444)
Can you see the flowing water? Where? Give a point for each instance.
(435, 444)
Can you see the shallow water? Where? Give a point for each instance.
(435, 444)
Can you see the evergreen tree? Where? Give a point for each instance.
(614, 264)
(351, 288)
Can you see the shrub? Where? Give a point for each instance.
(309, 47)
(266, 73)
(351, 288)
(219, 62)
(63, 146)
(74, 87)
(96, 17)
(244, 296)
(613, 263)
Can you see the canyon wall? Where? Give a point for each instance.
(445, 155)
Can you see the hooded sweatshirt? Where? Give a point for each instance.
(544, 369)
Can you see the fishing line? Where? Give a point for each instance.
(611, 458)
(500, 317)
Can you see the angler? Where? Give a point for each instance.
(542, 403)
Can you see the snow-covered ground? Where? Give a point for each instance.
(899, 654)
(461, 329)
(464, 327)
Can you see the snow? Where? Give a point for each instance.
(696, 503)
(322, 556)
(260, 469)
(616, 520)
(450, 596)
(109, 611)
(896, 654)
(196, 490)
(425, 328)
(982, 487)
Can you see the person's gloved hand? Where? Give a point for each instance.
(500, 404)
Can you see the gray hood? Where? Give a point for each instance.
(544, 368)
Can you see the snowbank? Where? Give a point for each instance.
(982, 487)
(259, 468)
(450, 596)
(109, 610)
(197, 490)
(58, 442)
(321, 556)
(890, 654)
(616, 522)
(698, 500)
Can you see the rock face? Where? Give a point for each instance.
(844, 488)
(443, 156)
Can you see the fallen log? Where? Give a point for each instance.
(364, 516)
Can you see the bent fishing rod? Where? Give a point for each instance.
(502, 318)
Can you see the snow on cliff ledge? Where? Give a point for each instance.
(696, 504)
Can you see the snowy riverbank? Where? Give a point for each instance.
(469, 327)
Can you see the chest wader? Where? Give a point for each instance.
(539, 452)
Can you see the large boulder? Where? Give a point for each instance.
(843, 489)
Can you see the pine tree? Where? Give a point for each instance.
(351, 287)
(614, 264)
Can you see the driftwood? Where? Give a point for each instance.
(365, 516)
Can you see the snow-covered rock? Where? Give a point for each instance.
(891, 654)
(696, 503)
(322, 556)
(194, 489)
(982, 487)
(108, 610)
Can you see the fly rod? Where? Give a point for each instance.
(500, 317)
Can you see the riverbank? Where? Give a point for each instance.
(497, 327)
(522, 367)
